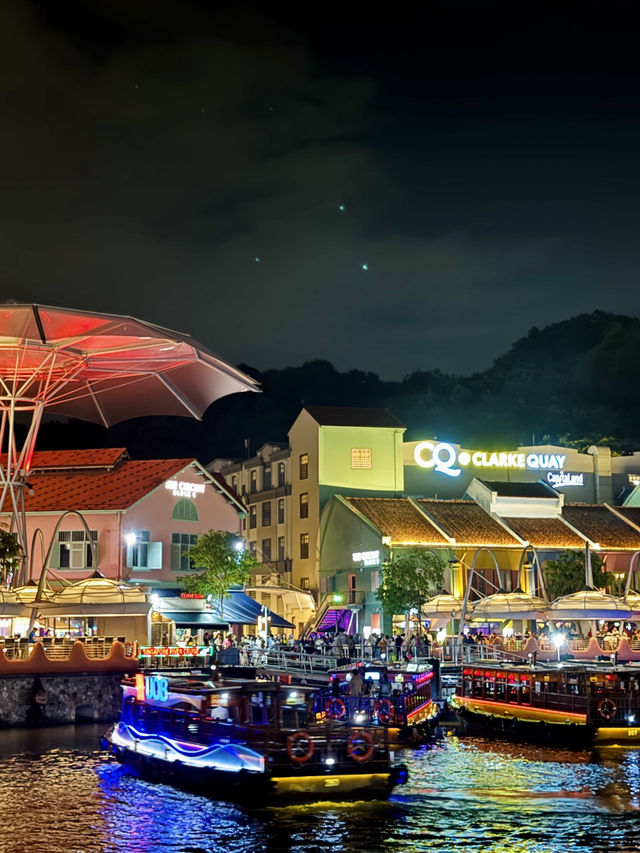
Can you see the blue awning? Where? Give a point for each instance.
(239, 608)
(236, 608)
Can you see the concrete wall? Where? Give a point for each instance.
(49, 699)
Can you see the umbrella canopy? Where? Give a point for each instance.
(107, 368)
(11, 606)
(442, 606)
(96, 596)
(590, 604)
(508, 605)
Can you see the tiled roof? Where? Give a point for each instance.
(520, 490)
(630, 512)
(345, 416)
(225, 487)
(468, 523)
(96, 490)
(99, 458)
(399, 519)
(545, 532)
(601, 525)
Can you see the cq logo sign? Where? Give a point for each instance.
(156, 688)
(442, 457)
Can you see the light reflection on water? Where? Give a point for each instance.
(60, 794)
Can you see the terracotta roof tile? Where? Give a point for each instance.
(97, 458)
(96, 490)
(545, 532)
(630, 512)
(468, 523)
(601, 525)
(399, 519)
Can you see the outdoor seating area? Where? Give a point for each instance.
(60, 648)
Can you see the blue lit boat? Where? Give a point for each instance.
(247, 738)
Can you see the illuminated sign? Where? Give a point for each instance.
(445, 459)
(564, 479)
(156, 688)
(181, 489)
(171, 651)
(337, 599)
(191, 595)
(367, 558)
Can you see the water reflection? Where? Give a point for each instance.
(61, 794)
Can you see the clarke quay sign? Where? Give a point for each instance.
(445, 459)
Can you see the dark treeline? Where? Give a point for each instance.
(571, 383)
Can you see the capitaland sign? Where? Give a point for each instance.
(445, 459)
(564, 478)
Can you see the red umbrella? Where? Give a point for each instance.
(97, 367)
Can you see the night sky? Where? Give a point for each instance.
(391, 190)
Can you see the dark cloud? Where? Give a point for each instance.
(152, 152)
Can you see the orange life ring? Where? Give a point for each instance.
(360, 746)
(300, 747)
(607, 709)
(335, 709)
(384, 711)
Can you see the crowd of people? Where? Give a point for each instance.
(340, 645)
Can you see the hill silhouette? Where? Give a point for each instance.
(571, 383)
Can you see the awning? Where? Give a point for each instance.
(195, 619)
(241, 609)
(71, 610)
(237, 608)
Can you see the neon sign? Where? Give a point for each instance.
(182, 489)
(156, 688)
(444, 458)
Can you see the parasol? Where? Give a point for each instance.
(97, 367)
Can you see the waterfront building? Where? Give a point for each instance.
(133, 520)
(467, 503)
(330, 451)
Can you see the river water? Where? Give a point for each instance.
(59, 793)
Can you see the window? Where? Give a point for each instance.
(305, 583)
(266, 550)
(375, 581)
(266, 477)
(180, 544)
(281, 474)
(352, 589)
(252, 549)
(304, 505)
(361, 457)
(234, 483)
(304, 546)
(281, 551)
(253, 481)
(143, 553)
(304, 466)
(74, 549)
(266, 513)
(184, 510)
(253, 518)
(281, 511)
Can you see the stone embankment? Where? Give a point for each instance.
(41, 691)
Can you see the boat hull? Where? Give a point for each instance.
(537, 724)
(144, 759)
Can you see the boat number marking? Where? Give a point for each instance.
(632, 732)
(331, 783)
(156, 688)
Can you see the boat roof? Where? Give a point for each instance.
(548, 667)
